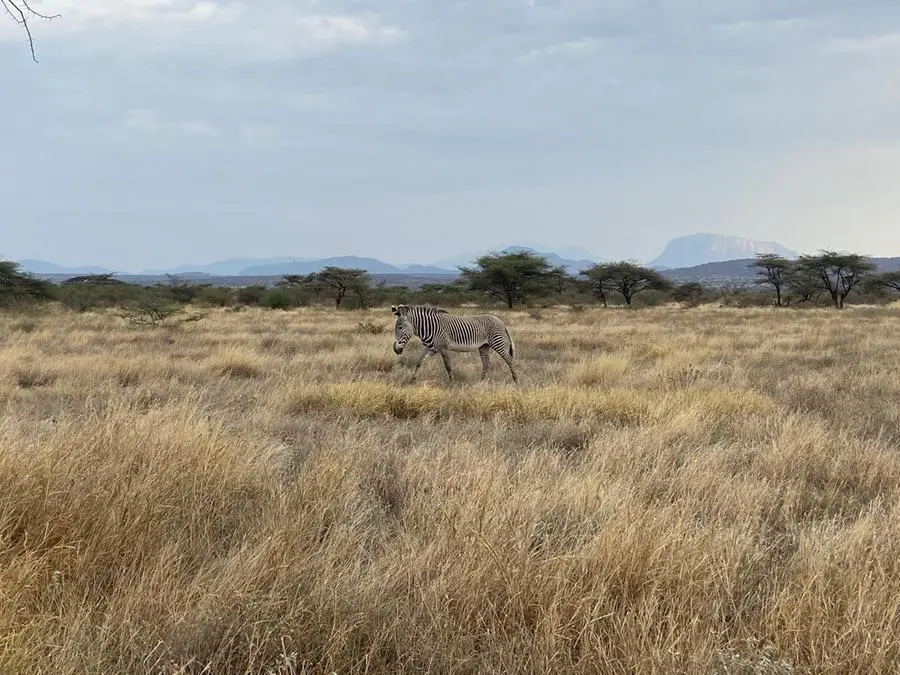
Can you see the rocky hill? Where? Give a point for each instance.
(698, 249)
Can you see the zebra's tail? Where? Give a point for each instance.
(512, 345)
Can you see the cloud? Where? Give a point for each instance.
(230, 32)
(257, 134)
(758, 26)
(866, 44)
(356, 102)
(146, 121)
(562, 50)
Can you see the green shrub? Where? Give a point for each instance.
(278, 298)
(251, 295)
(690, 293)
(83, 297)
(216, 296)
(17, 287)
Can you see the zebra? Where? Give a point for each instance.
(442, 332)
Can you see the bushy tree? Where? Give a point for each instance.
(342, 280)
(773, 270)
(886, 281)
(251, 295)
(625, 278)
(803, 285)
(835, 273)
(91, 291)
(180, 290)
(278, 298)
(216, 296)
(690, 292)
(107, 279)
(513, 277)
(18, 286)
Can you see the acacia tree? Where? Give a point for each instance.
(836, 273)
(803, 285)
(625, 278)
(513, 277)
(343, 279)
(886, 281)
(774, 271)
(17, 286)
(312, 282)
(23, 13)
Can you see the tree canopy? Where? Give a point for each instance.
(886, 281)
(835, 273)
(341, 280)
(625, 278)
(513, 277)
(773, 270)
(16, 285)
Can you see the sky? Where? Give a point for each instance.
(158, 132)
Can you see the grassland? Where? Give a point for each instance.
(703, 490)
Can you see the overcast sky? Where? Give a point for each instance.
(159, 132)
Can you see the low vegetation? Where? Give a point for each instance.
(669, 490)
(512, 279)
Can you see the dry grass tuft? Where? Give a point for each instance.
(32, 376)
(235, 363)
(603, 370)
(708, 490)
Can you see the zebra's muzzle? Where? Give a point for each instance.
(398, 348)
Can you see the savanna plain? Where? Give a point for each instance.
(668, 490)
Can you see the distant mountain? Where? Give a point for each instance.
(428, 269)
(229, 267)
(697, 249)
(573, 258)
(556, 260)
(741, 270)
(44, 267)
(887, 264)
(720, 271)
(461, 259)
(576, 253)
(370, 265)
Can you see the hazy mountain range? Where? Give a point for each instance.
(264, 267)
(699, 249)
(701, 255)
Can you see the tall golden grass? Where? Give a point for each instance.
(703, 490)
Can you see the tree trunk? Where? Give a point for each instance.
(509, 300)
(778, 296)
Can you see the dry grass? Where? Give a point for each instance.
(706, 490)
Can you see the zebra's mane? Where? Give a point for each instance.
(433, 310)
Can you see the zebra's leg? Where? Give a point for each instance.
(425, 355)
(509, 362)
(446, 357)
(485, 352)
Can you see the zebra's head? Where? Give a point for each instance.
(403, 330)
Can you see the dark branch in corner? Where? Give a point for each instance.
(21, 12)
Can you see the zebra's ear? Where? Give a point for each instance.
(395, 310)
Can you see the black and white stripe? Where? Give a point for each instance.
(442, 332)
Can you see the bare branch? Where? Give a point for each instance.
(21, 12)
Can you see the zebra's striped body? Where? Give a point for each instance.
(442, 332)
